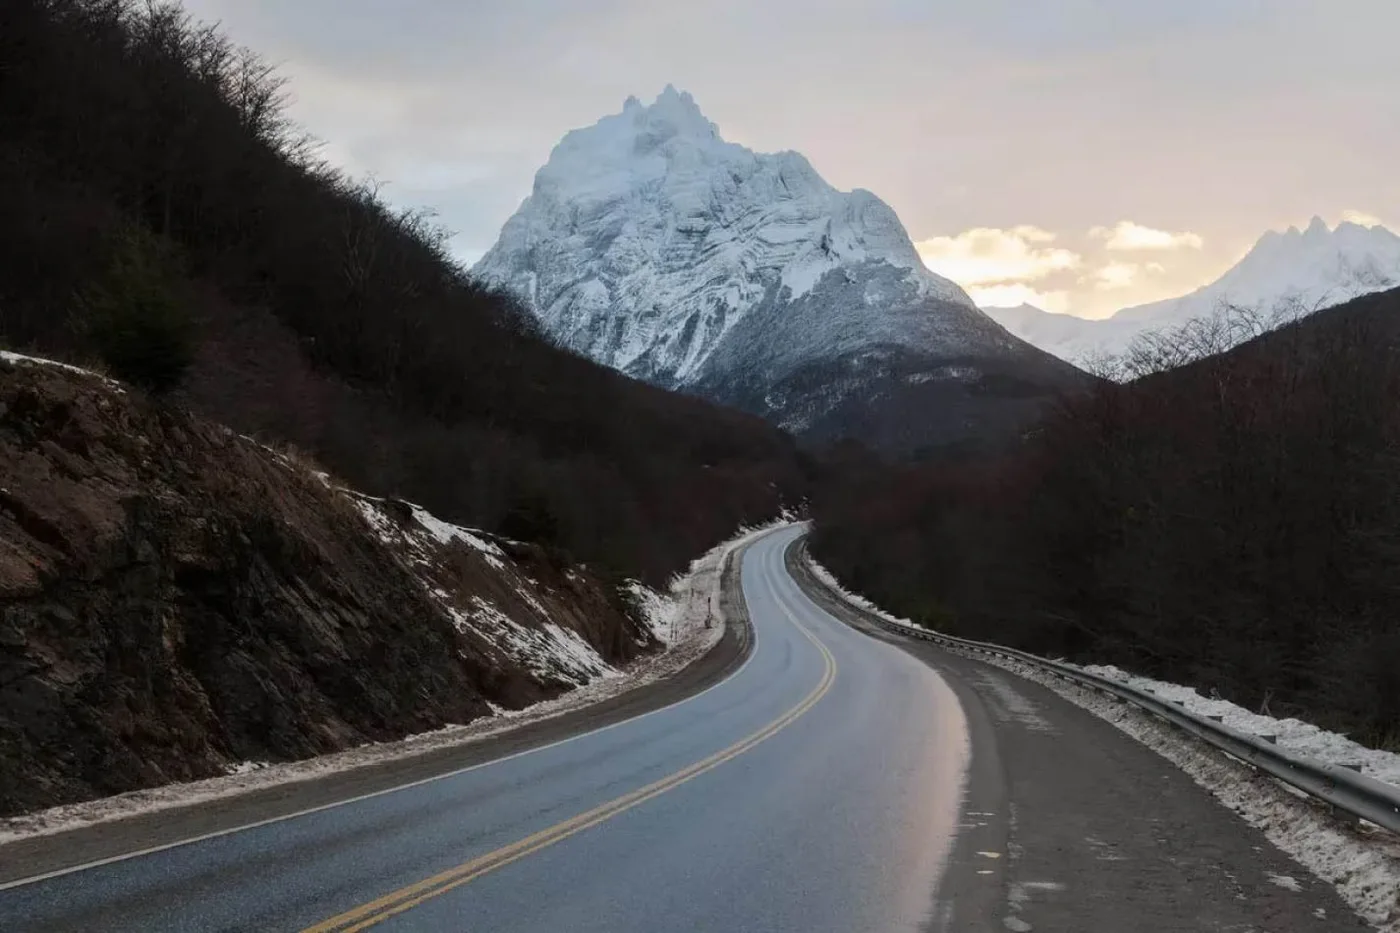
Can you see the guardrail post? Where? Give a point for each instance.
(1343, 816)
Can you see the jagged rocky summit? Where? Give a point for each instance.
(651, 244)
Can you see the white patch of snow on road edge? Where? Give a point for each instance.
(1363, 867)
(1304, 738)
(688, 604)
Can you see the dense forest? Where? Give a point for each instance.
(1233, 523)
(163, 218)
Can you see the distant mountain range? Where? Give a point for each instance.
(1296, 271)
(651, 244)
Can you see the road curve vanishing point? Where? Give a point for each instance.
(817, 788)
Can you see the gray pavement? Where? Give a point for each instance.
(1069, 824)
(827, 784)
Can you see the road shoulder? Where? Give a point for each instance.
(1101, 833)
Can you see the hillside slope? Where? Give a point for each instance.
(651, 244)
(176, 599)
(145, 156)
(1230, 524)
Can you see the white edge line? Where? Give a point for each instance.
(152, 850)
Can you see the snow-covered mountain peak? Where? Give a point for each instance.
(1290, 272)
(647, 238)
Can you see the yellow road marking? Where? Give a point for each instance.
(410, 896)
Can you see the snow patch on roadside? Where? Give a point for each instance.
(1294, 735)
(684, 608)
(1362, 864)
(1015, 707)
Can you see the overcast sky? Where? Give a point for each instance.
(1080, 154)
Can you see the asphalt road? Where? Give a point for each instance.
(841, 779)
(817, 788)
(1069, 824)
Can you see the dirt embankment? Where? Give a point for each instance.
(176, 599)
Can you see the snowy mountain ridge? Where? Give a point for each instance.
(648, 237)
(654, 246)
(1298, 270)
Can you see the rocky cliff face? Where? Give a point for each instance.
(652, 245)
(175, 599)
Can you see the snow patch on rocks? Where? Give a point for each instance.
(550, 652)
(20, 359)
(426, 528)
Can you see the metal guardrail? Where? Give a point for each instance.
(1361, 796)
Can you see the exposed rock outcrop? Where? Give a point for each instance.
(175, 599)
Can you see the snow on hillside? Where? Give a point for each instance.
(1314, 267)
(1071, 338)
(648, 237)
(19, 359)
(526, 634)
(1297, 270)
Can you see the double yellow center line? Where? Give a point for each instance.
(410, 896)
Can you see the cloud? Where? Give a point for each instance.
(986, 256)
(1126, 235)
(1114, 275)
(1362, 218)
(1033, 234)
(1009, 296)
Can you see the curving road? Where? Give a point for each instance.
(817, 788)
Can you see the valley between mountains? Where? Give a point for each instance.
(641, 575)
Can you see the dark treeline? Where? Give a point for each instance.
(1233, 523)
(147, 161)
